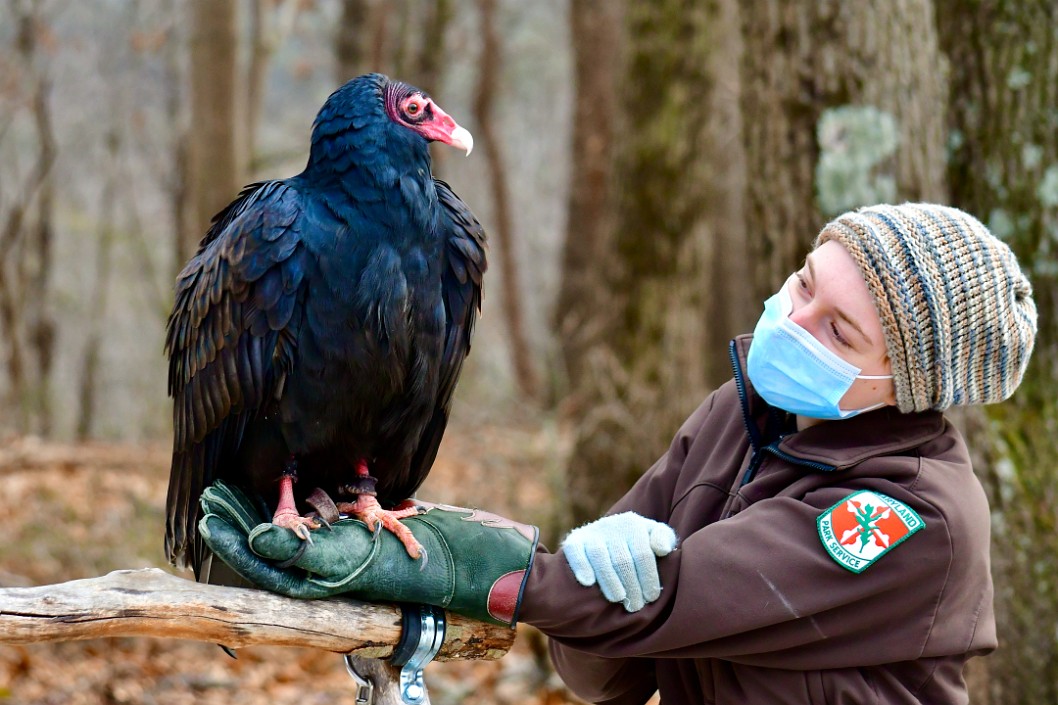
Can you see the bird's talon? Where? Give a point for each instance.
(302, 526)
(424, 557)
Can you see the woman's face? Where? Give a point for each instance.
(831, 301)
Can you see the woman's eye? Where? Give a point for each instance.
(802, 283)
(838, 336)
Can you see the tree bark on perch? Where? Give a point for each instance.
(150, 602)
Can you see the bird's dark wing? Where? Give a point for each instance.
(466, 254)
(231, 340)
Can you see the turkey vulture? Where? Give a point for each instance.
(318, 332)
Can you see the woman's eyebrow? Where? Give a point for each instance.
(840, 313)
(845, 317)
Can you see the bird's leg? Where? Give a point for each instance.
(286, 513)
(367, 509)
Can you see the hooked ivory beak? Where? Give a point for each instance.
(462, 139)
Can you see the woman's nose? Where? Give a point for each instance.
(803, 314)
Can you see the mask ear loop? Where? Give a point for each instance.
(864, 410)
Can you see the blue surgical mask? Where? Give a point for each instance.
(795, 372)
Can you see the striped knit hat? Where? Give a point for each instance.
(957, 312)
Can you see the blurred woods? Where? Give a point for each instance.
(648, 171)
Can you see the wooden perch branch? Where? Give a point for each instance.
(153, 603)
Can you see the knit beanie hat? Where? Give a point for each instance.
(958, 313)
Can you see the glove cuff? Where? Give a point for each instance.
(505, 596)
(480, 545)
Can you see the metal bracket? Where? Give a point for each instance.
(365, 689)
(421, 639)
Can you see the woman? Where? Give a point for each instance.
(833, 537)
(796, 487)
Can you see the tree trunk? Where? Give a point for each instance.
(644, 372)
(427, 74)
(1004, 169)
(271, 22)
(728, 308)
(595, 30)
(40, 321)
(405, 40)
(380, 35)
(847, 104)
(176, 179)
(26, 324)
(37, 310)
(380, 40)
(350, 39)
(89, 382)
(263, 42)
(215, 170)
(502, 233)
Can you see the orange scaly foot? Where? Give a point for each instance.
(367, 509)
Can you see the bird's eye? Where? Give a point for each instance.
(413, 108)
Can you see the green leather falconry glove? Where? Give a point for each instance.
(476, 562)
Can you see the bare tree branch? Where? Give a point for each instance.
(150, 602)
(153, 603)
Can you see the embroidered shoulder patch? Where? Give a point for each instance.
(864, 526)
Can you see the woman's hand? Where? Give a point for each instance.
(620, 553)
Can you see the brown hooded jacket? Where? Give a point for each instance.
(754, 608)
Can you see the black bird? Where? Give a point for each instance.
(319, 331)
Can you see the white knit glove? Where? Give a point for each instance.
(620, 553)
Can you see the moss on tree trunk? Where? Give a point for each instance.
(1004, 168)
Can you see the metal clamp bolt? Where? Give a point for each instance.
(423, 634)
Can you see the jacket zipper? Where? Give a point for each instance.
(751, 430)
(754, 437)
(751, 471)
(740, 385)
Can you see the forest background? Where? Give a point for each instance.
(648, 172)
